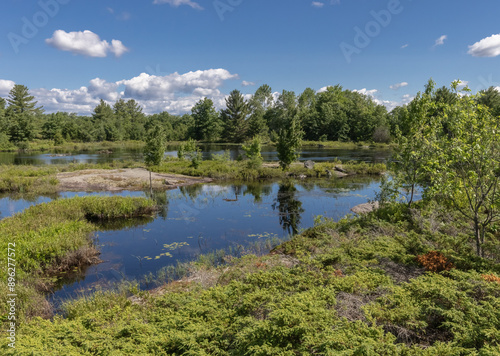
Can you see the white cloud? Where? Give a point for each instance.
(462, 83)
(175, 93)
(440, 40)
(5, 87)
(398, 85)
(365, 91)
(177, 3)
(317, 4)
(321, 90)
(85, 43)
(404, 46)
(154, 87)
(487, 47)
(247, 84)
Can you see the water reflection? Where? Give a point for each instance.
(289, 207)
(135, 154)
(201, 219)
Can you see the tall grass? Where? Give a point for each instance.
(54, 237)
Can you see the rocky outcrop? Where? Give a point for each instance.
(365, 208)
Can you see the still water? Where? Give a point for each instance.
(268, 153)
(203, 218)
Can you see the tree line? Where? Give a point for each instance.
(334, 114)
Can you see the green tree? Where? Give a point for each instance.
(103, 123)
(207, 126)
(129, 119)
(289, 133)
(234, 117)
(414, 153)
(467, 176)
(490, 98)
(331, 118)
(308, 115)
(21, 102)
(154, 150)
(252, 151)
(21, 114)
(259, 104)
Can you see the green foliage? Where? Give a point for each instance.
(224, 157)
(451, 148)
(343, 288)
(252, 151)
(289, 132)
(189, 151)
(207, 124)
(154, 149)
(234, 117)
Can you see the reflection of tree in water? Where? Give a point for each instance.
(258, 190)
(191, 191)
(161, 201)
(289, 207)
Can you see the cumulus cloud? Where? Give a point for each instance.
(175, 93)
(177, 3)
(365, 91)
(157, 87)
(404, 46)
(487, 47)
(398, 85)
(5, 87)
(317, 4)
(440, 40)
(247, 84)
(85, 43)
(462, 83)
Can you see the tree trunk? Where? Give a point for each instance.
(150, 185)
(411, 196)
(477, 235)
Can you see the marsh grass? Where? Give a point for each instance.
(55, 237)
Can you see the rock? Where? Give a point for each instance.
(365, 208)
(340, 174)
(168, 183)
(340, 169)
(329, 173)
(309, 164)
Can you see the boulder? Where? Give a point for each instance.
(340, 169)
(309, 164)
(339, 174)
(365, 208)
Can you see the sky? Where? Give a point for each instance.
(169, 54)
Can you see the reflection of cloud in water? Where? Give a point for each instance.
(215, 189)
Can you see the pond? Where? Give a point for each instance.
(126, 154)
(201, 219)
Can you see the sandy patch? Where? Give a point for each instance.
(122, 179)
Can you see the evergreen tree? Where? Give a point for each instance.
(234, 117)
(207, 124)
(289, 133)
(20, 114)
(20, 101)
(103, 122)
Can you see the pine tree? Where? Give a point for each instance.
(234, 117)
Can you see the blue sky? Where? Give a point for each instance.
(168, 54)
